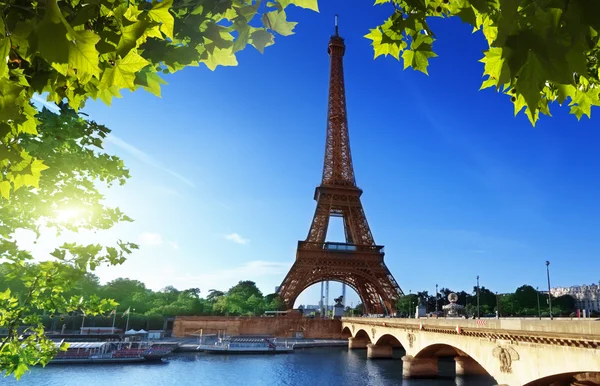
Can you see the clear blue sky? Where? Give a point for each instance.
(454, 185)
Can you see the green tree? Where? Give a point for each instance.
(64, 198)
(526, 297)
(539, 51)
(406, 305)
(565, 304)
(74, 50)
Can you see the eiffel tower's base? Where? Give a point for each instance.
(360, 267)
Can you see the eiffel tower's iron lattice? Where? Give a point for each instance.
(359, 261)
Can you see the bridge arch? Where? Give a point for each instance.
(440, 349)
(466, 364)
(362, 335)
(346, 333)
(389, 340)
(566, 379)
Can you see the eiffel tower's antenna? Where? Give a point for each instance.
(336, 26)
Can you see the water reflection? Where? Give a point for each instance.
(311, 366)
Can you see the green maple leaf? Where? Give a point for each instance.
(242, 38)
(276, 21)
(10, 100)
(496, 67)
(308, 4)
(160, 13)
(4, 50)
(83, 55)
(531, 81)
(261, 38)
(130, 35)
(418, 55)
(5, 188)
(565, 91)
(149, 80)
(220, 57)
(122, 74)
(52, 43)
(582, 103)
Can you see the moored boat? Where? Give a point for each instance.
(110, 352)
(241, 345)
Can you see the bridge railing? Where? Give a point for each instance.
(562, 327)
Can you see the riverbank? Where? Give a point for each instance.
(190, 344)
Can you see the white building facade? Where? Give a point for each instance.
(587, 296)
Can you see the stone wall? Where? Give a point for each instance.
(275, 326)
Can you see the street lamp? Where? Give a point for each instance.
(477, 296)
(537, 289)
(549, 295)
(497, 307)
(409, 302)
(436, 299)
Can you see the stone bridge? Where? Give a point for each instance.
(514, 352)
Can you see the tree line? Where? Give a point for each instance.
(523, 302)
(148, 308)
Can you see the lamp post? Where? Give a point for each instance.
(409, 302)
(497, 307)
(537, 289)
(477, 296)
(82, 321)
(436, 299)
(549, 295)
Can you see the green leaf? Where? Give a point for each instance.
(6, 294)
(261, 38)
(20, 370)
(52, 43)
(242, 38)
(308, 4)
(381, 1)
(5, 190)
(4, 50)
(418, 56)
(531, 81)
(83, 55)
(582, 103)
(160, 13)
(496, 66)
(220, 57)
(276, 21)
(565, 91)
(150, 80)
(122, 74)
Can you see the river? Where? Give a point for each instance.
(317, 366)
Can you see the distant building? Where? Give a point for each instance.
(587, 296)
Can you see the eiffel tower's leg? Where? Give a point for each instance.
(358, 223)
(320, 223)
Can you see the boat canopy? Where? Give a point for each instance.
(83, 345)
(131, 332)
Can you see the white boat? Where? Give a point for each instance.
(240, 345)
(110, 352)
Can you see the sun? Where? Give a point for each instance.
(68, 215)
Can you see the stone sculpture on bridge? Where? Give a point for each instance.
(506, 355)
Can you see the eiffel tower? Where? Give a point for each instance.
(358, 262)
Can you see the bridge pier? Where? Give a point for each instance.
(468, 366)
(379, 351)
(354, 343)
(419, 367)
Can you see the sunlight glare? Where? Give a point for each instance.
(68, 215)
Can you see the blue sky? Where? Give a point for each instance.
(225, 164)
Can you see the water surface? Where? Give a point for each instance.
(322, 366)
